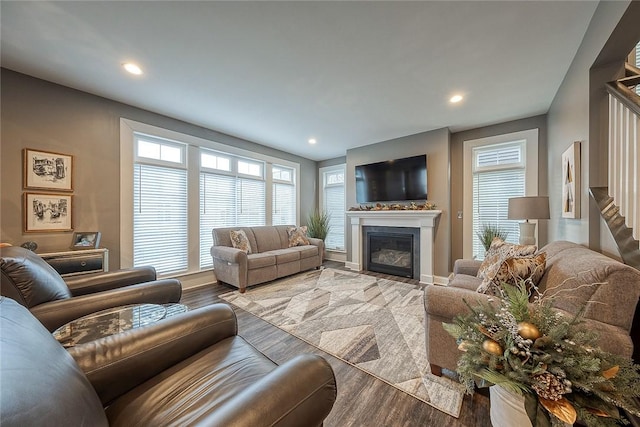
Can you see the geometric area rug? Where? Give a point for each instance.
(374, 324)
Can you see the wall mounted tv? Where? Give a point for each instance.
(392, 181)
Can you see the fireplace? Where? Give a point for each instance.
(392, 250)
(423, 221)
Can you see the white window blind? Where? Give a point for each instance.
(251, 199)
(217, 210)
(498, 175)
(228, 199)
(283, 206)
(334, 203)
(160, 218)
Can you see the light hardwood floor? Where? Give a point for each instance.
(362, 399)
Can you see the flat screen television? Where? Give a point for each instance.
(392, 181)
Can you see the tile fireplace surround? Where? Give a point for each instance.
(424, 220)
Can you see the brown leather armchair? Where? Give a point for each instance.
(191, 369)
(28, 279)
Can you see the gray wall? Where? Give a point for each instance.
(576, 115)
(332, 162)
(435, 144)
(41, 115)
(457, 172)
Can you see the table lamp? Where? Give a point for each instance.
(530, 207)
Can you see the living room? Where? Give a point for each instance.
(62, 118)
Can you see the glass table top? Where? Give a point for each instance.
(113, 321)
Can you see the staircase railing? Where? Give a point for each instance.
(624, 147)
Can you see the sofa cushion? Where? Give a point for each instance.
(307, 251)
(267, 238)
(284, 255)
(513, 270)
(578, 278)
(239, 240)
(260, 260)
(29, 279)
(297, 236)
(193, 390)
(497, 253)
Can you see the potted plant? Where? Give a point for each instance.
(553, 361)
(318, 224)
(488, 232)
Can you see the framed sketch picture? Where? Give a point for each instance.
(47, 171)
(571, 181)
(85, 240)
(47, 212)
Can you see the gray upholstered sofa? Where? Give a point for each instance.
(271, 256)
(576, 275)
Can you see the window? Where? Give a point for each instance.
(333, 202)
(495, 169)
(228, 199)
(177, 187)
(160, 205)
(498, 174)
(284, 196)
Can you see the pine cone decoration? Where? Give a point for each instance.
(550, 386)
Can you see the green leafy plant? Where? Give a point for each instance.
(488, 232)
(553, 360)
(318, 224)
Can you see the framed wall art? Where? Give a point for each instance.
(47, 212)
(47, 171)
(571, 181)
(85, 240)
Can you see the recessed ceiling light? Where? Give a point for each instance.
(132, 68)
(312, 141)
(455, 98)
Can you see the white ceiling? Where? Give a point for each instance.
(278, 73)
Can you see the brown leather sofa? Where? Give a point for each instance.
(271, 256)
(188, 370)
(28, 279)
(576, 276)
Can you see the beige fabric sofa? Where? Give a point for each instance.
(570, 273)
(271, 256)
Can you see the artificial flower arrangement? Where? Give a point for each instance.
(553, 360)
(413, 206)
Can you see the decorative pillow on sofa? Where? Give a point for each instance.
(498, 252)
(514, 270)
(239, 240)
(297, 236)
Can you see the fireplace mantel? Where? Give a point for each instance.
(425, 220)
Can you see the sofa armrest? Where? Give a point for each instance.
(90, 283)
(301, 391)
(447, 302)
(469, 267)
(118, 363)
(317, 242)
(228, 254)
(56, 313)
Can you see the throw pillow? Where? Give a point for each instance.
(513, 270)
(497, 253)
(297, 236)
(239, 240)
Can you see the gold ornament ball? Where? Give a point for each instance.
(492, 347)
(528, 331)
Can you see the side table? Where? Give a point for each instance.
(113, 321)
(84, 261)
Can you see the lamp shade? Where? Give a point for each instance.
(534, 207)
